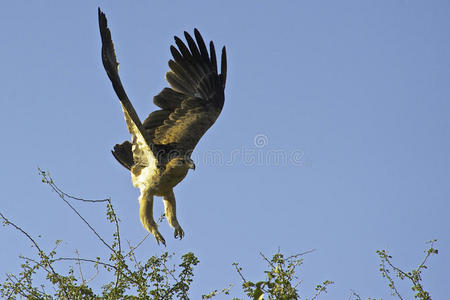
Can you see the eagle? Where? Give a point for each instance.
(159, 153)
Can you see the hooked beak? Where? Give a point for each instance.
(192, 165)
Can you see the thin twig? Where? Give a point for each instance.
(93, 276)
(8, 222)
(132, 249)
(119, 253)
(79, 267)
(132, 256)
(301, 254)
(354, 294)
(50, 182)
(391, 281)
(170, 273)
(267, 260)
(85, 260)
(239, 272)
(298, 283)
(428, 254)
(61, 194)
(319, 291)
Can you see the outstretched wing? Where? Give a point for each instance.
(195, 98)
(142, 154)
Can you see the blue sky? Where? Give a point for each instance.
(352, 95)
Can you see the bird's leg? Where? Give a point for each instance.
(171, 214)
(146, 215)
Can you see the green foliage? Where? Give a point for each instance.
(414, 276)
(387, 268)
(158, 277)
(281, 281)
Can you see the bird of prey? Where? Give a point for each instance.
(158, 155)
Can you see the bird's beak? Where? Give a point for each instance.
(192, 166)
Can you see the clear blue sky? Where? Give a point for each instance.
(354, 95)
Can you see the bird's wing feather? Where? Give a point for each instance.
(143, 156)
(195, 98)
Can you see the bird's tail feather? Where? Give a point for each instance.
(123, 153)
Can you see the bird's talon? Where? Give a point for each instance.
(159, 238)
(178, 233)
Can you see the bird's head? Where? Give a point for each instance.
(181, 164)
(189, 163)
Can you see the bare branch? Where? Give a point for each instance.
(47, 179)
(79, 267)
(85, 260)
(238, 270)
(135, 247)
(8, 222)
